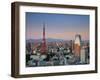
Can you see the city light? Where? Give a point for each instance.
(46, 52)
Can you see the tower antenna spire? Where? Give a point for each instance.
(43, 46)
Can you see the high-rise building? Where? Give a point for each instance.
(83, 55)
(43, 46)
(72, 46)
(28, 48)
(77, 45)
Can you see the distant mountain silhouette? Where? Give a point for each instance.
(50, 40)
(47, 40)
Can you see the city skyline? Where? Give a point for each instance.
(58, 26)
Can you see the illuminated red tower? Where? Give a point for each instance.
(43, 46)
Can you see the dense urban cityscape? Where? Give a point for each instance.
(56, 52)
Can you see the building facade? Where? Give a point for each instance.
(77, 45)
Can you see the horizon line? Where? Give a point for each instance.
(55, 38)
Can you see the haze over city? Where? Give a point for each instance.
(57, 26)
(56, 39)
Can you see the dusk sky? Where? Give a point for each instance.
(57, 26)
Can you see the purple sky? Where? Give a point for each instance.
(58, 26)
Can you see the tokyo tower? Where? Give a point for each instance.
(43, 46)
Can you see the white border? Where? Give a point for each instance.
(52, 69)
